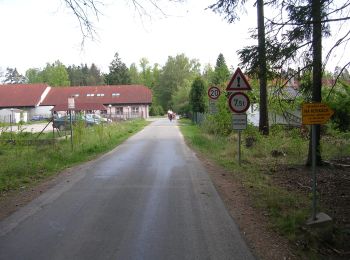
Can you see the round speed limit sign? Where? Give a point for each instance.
(214, 92)
(239, 102)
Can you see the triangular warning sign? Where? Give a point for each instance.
(238, 82)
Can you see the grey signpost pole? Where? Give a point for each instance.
(239, 147)
(71, 129)
(314, 183)
(71, 105)
(315, 114)
(239, 103)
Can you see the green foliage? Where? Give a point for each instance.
(12, 76)
(198, 95)
(34, 75)
(84, 76)
(134, 74)
(208, 74)
(55, 75)
(339, 101)
(177, 73)
(156, 110)
(220, 123)
(287, 209)
(118, 72)
(181, 100)
(147, 77)
(28, 164)
(221, 72)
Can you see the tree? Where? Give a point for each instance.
(146, 73)
(85, 76)
(2, 74)
(134, 74)
(56, 75)
(295, 38)
(13, 77)
(208, 74)
(178, 72)
(221, 72)
(76, 75)
(198, 95)
(229, 7)
(94, 77)
(118, 72)
(180, 100)
(34, 75)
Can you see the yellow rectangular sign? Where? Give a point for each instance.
(315, 113)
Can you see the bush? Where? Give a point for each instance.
(220, 123)
(340, 103)
(156, 110)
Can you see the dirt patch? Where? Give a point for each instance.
(333, 189)
(253, 224)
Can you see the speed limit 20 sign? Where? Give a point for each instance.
(239, 102)
(214, 93)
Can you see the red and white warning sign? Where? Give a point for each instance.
(214, 93)
(238, 82)
(239, 102)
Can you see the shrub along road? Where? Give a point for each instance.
(150, 198)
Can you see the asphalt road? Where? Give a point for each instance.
(150, 198)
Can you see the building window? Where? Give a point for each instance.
(135, 110)
(90, 95)
(100, 95)
(119, 110)
(115, 94)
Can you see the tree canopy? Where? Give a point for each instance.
(13, 77)
(118, 72)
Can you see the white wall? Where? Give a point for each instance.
(15, 116)
(40, 111)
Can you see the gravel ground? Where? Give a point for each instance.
(35, 128)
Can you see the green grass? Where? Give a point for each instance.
(24, 165)
(287, 211)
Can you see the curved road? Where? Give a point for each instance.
(150, 198)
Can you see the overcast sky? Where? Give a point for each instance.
(35, 32)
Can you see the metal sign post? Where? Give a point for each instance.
(315, 114)
(238, 103)
(239, 122)
(71, 129)
(239, 147)
(313, 151)
(213, 94)
(71, 105)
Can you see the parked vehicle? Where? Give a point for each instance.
(63, 123)
(98, 118)
(39, 118)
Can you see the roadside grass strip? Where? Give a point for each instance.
(287, 210)
(24, 165)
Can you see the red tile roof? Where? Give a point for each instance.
(80, 106)
(21, 95)
(122, 94)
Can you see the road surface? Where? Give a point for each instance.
(150, 198)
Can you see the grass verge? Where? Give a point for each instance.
(24, 165)
(287, 210)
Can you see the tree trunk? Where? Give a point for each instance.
(316, 72)
(263, 119)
